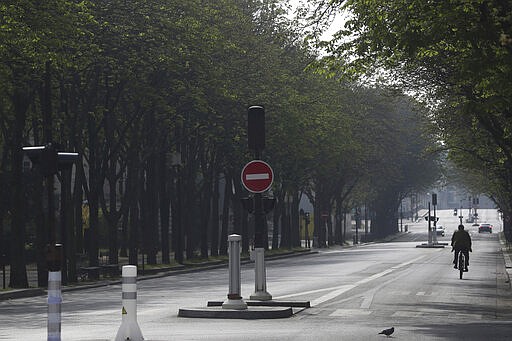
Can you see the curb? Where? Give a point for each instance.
(252, 313)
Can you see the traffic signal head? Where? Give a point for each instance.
(256, 127)
(49, 159)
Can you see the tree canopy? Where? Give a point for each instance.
(457, 56)
(154, 97)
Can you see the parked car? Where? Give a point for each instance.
(440, 230)
(485, 227)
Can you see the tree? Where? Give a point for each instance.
(457, 54)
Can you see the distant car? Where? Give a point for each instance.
(440, 230)
(485, 228)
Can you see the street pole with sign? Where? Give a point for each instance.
(257, 177)
(434, 203)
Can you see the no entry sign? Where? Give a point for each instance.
(257, 176)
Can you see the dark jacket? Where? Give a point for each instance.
(461, 240)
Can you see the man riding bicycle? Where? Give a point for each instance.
(461, 242)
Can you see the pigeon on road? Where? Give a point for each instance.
(388, 332)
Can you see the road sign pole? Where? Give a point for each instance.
(260, 285)
(429, 226)
(257, 177)
(435, 226)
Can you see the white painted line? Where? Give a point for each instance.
(349, 312)
(407, 314)
(262, 176)
(420, 293)
(336, 291)
(367, 302)
(331, 295)
(310, 292)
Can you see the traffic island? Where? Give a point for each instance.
(252, 313)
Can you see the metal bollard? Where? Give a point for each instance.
(234, 300)
(260, 276)
(54, 305)
(129, 329)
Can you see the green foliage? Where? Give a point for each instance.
(458, 54)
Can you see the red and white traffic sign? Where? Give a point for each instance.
(257, 176)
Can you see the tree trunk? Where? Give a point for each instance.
(18, 276)
(223, 250)
(165, 204)
(215, 217)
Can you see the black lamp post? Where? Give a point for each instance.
(50, 162)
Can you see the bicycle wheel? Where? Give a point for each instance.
(462, 264)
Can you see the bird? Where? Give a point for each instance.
(388, 332)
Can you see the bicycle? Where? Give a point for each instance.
(462, 263)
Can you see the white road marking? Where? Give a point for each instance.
(349, 312)
(367, 302)
(338, 290)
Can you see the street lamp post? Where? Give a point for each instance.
(51, 162)
(434, 203)
(401, 216)
(177, 221)
(307, 220)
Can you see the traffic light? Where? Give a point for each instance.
(248, 204)
(49, 159)
(256, 127)
(268, 204)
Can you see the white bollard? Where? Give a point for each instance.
(234, 300)
(260, 280)
(129, 329)
(54, 305)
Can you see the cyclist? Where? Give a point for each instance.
(461, 242)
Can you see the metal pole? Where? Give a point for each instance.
(435, 226)
(429, 226)
(54, 305)
(260, 291)
(234, 300)
(401, 217)
(3, 260)
(306, 217)
(54, 292)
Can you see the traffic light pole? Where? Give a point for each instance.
(435, 226)
(429, 226)
(256, 142)
(260, 275)
(50, 161)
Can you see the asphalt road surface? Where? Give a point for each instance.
(354, 293)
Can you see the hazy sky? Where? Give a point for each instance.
(335, 26)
